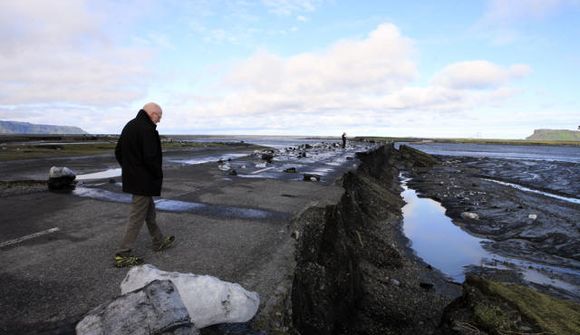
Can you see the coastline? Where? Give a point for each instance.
(334, 262)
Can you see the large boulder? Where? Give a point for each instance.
(156, 308)
(61, 179)
(208, 299)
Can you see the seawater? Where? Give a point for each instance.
(523, 152)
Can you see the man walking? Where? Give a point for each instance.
(138, 151)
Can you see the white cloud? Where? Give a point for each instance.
(367, 83)
(479, 74)
(381, 62)
(58, 52)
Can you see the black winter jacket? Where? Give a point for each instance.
(138, 151)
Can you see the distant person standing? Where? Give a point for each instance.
(343, 140)
(138, 151)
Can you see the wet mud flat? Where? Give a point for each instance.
(526, 210)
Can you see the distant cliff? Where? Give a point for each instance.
(554, 135)
(14, 127)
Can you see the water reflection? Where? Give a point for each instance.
(526, 189)
(169, 205)
(207, 159)
(436, 239)
(111, 173)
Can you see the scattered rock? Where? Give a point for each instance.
(533, 217)
(268, 156)
(295, 235)
(61, 179)
(224, 167)
(470, 215)
(233, 172)
(156, 308)
(311, 177)
(208, 299)
(426, 286)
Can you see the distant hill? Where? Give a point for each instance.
(15, 127)
(554, 135)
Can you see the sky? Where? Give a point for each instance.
(476, 69)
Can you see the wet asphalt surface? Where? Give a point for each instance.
(234, 227)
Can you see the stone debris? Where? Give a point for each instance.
(311, 177)
(61, 179)
(156, 308)
(470, 215)
(224, 166)
(268, 156)
(533, 217)
(208, 299)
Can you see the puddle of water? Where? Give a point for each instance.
(111, 173)
(98, 194)
(175, 205)
(207, 159)
(438, 241)
(522, 188)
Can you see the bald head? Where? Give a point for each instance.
(154, 111)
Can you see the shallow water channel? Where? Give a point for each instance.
(442, 244)
(436, 239)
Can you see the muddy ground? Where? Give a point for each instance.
(541, 231)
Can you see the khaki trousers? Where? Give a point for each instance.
(142, 210)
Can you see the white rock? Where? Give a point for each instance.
(469, 215)
(224, 167)
(58, 172)
(155, 309)
(533, 216)
(208, 299)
